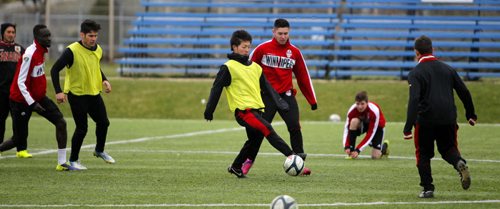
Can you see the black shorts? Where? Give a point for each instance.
(376, 142)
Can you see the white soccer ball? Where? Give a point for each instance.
(284, 202)
(293, 165)
(334, 118)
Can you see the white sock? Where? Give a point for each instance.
(61, 156)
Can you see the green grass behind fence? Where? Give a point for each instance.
(181, 99)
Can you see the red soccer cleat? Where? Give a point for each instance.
(306, 172)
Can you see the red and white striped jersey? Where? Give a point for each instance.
(372, 115)
(29, 84)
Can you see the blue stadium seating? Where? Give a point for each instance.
(197, 42)
(376, 30)
(338, 37)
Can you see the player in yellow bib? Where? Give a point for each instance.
(83, 84)
(244, 81)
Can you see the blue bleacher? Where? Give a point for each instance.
(197, 42)
(287, 4)
(338, 37)
(466, 37)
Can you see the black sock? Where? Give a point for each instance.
(352, 139)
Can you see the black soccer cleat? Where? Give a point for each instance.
(463, 171)
(385, 148)
(236, 171)
(426, 194)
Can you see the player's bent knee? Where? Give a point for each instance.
(294, 129)
(355, 123)
(104, 123)
(376, 154)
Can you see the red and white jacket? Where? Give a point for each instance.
(29, 84)
(278, 62)
(373, 115)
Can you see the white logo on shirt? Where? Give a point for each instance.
(277, 61)
(38, 71)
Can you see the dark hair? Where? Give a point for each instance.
(240, 36)
(423, 45)
(361, 96)
(89, 25)
(37, 28)
(281, 23)
(4, 27)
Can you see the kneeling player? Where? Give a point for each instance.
(365, 117)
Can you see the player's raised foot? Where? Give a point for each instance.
(426, 194)
(246, 166)
(463, 170)
(65, 167)
(236, 171)
(385, 148)
(306, 172)
(23, 154)
(103, 155)
(77, 165)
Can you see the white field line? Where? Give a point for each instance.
(256, 205)
(142, 139)
(279, 154)
(208, 132)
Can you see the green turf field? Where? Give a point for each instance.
(182, 163)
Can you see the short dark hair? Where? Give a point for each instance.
(37, 28)
(4, 27)
(240, 36)
(281, 23)
(89, 25)
(423, 45)
(361, 96)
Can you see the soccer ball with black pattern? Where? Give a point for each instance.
(284, 202)
(293, 165)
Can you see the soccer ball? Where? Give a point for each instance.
(293, 165)
(284, 202)
(335, 118)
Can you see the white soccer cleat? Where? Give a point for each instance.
(78, 165)
(107, 158)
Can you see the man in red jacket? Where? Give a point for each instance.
(27, 94)
(279, 59)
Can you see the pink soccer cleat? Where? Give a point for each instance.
(246, 166)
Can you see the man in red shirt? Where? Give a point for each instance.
(364, 117)
(279, 59)
(27, 94)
